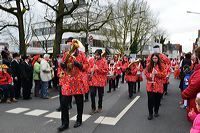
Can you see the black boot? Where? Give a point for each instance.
(62, 128)
(150, 117)
(77, 124)
(58, 109)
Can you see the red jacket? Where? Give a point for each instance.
(193, 88)
(99, 75)
(77, 81)
(118, 66)
(112, 71)
(157, 86)
(133, 76)
(139, 72)
(5, 78)
(124, 66)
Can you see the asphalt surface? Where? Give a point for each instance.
(35, 116)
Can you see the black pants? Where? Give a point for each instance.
(131, 88)
(17, 88)
(93, 92)
(138, 84)
(111, 84)
(26, 86)
(117, 81)
(65, 111)
(37, 87)
(86, 96)
(123, 75)
(165, 87)
(153, 102)
(8, 91)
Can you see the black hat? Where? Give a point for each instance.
(15, 55)
(69, 39)
(25, 57)
(98, 51)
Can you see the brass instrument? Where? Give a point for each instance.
(128, 69)
(75, 45)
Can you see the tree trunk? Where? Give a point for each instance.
(59, 29)
(22, 45)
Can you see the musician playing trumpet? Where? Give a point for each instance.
(75, 67)
(97, 79)
(131, 77)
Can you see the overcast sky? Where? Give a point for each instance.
(181, 26)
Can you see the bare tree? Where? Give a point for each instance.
(59, 9)
(89, 18)
(16, 8)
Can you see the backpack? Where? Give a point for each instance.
(186, 80)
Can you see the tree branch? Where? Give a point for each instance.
(9, 10)
(8, 25)
(52, 7)
(69, 12)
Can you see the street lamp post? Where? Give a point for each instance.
(193, 12)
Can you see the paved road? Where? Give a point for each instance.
(120, 115)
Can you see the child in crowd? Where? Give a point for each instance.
(176, 72)
(195, 117)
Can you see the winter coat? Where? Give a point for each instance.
(193, 88)
(76, 82)
(196, 124)
(5, 78)
(156, 85)
(36, 71)
(139, 72)
(99, 76)
(45, 71)
(131, 77)
(118, 66)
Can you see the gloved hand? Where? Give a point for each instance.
(78, 64)
(63, 65)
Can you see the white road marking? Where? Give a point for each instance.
(36, 112)
(48, 121)
(84, 117)
(17, 110)
(56, 115)
(54, 97)
(113, 120)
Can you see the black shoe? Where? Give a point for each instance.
(58, 109)
(108, 91)
(77, 124)
(62, 128)
(150, 117)
(156, 115)
(86, 100)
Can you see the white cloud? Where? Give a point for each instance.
(181, 27)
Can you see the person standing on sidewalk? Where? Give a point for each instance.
(155, 75)
(45, 75)
(97, 79)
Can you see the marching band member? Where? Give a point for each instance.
(131, 77)
(97, 79)
(123, 67)
(75, 83)
(118, 65)
(111, 75)
(155, 74)
(139, 73)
